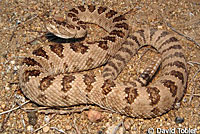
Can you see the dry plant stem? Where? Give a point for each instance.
(46, 123)
(198, 95)
(117, 127)
(187, 37)
(5, 112)
(193, 62)
(192, 94)
(23, 122)
(75, 126)
(18, 25)
(59, 130)
(6, 119)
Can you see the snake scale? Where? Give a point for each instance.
(52, 75)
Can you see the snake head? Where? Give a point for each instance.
(63, 28)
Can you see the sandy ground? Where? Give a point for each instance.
(21, 26)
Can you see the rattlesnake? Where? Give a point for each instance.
(51, 76)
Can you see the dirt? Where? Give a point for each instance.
(22, 27)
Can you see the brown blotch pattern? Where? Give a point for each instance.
(78, 28)
(71, 15)
(153, 95)
(110, 38)
(83, 26)
(103, 44)
(119, 18)
(42, 98)
(75, 19)
(88, 80)
(124, 49)
(152, 32)
(120, 58)
(119, 33)
(79, 47)
(177, 74)
(141, 32)
(131, 94)
(107, 69)
(60, 21)
(107, 86)
(172, 39)
(57, 49)
(171, 85)
(133, 83)
(176, 63)
(135, 39)
(30, 62)
(163, 34)
(176, 54)
(155, 111)
(101, 10)
(28, 73)
(107, 74)
(122, 25)
(40, 52)
(74, 10)
(89, 62)
(70, 26)
(65, 65)
(110, 14)
(172, 47)
(112, 64)
(46, 82)
(81, 22)
(66, 99)
(66, 82)
(91, 8)
(81, 8)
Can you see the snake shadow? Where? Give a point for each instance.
(53, 38)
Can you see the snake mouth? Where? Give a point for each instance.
(61, 31)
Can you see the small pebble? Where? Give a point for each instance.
(160, 27)
(46, 118)
(18, 22)
(12, 62)
(30, 128)
(179, 120)
(128, 124)
(94, 116)
(3, 106)
(185, 100)
(178, 105)
(15, 68)
(45, 129)
(68, 127)
(32, 118)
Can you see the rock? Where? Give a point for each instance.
(94, 116)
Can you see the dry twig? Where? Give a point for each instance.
(46, 123)
(5, 112)
(193, 79)
(187, 37)
(76, 128)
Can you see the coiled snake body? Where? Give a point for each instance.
(51, 76)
